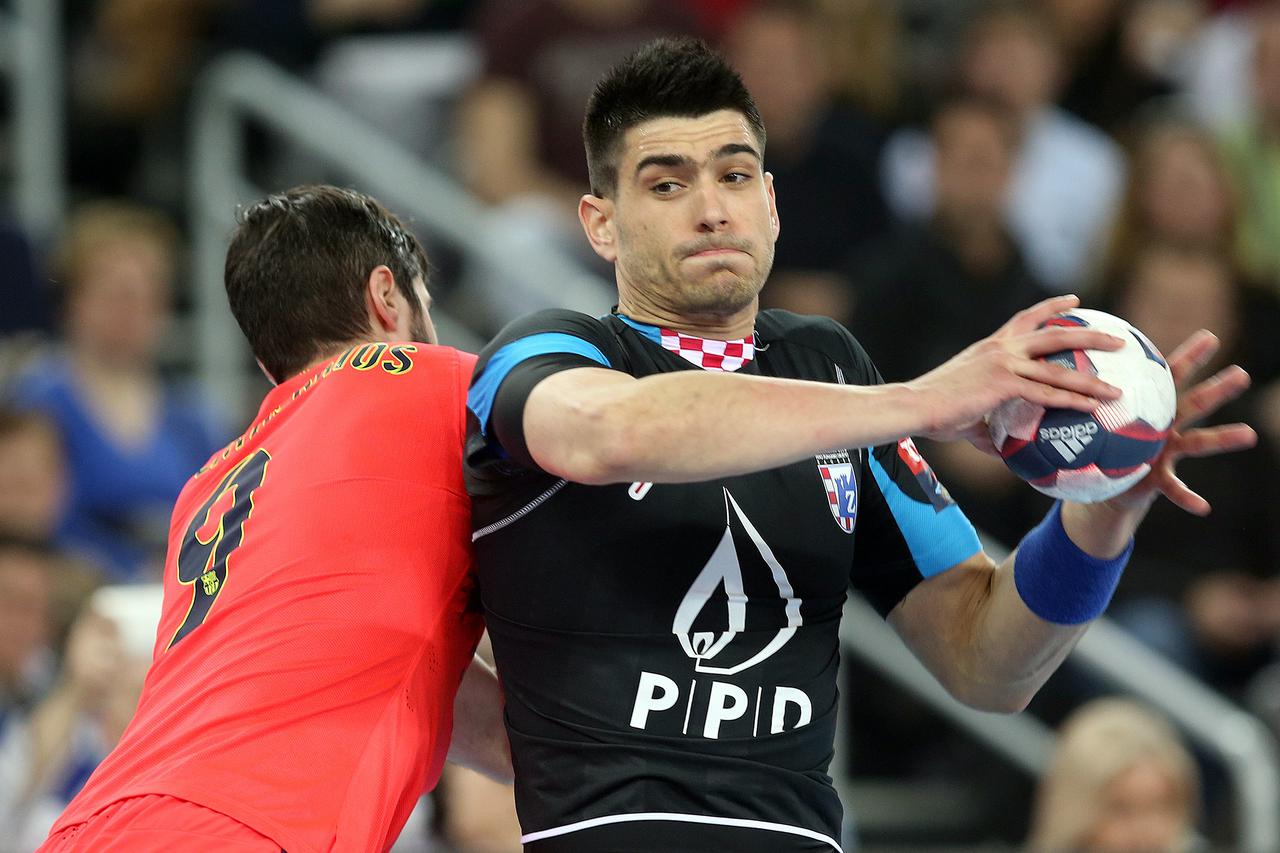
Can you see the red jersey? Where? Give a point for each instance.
(317, 611)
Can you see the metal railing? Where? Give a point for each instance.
(30, 48)
(242, 88)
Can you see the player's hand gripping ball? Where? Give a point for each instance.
(1092, 456)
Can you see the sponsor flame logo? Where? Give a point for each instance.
(724, 569)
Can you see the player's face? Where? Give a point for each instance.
(694, 215)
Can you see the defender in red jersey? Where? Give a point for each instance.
(317, 612)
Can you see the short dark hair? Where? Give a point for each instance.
(667, 77)
(297, 266)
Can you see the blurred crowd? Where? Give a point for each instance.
(938, 166)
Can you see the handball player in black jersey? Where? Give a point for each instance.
(671, 502)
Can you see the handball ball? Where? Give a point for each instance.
(1092, 456)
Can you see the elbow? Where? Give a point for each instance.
(996, 701)
(990, 697)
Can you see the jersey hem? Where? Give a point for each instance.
(739, 823)
(231, 809)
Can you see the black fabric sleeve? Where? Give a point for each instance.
(522, 355)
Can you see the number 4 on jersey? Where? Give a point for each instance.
(215, 531)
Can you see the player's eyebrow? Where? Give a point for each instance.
(736, 148)
(668, 161)
(681, 161)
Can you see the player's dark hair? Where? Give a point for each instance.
(297, 267)
(668, 77)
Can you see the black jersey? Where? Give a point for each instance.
(669, 652)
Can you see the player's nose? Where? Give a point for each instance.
(713, 213)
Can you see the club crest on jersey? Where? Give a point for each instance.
(836, 470)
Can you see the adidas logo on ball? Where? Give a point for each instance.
(1069, 440)
(1080, 432)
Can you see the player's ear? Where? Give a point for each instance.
(597, 217)
(380, 300)
(773, 205)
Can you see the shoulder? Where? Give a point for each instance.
(553, 330)
(816, 333)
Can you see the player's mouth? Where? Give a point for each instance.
(715, 253)
(716, 250)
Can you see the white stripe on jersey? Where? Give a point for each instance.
(680, 818)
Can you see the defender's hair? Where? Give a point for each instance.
(297, 268)
(667, 77)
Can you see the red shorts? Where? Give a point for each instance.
(157, 823)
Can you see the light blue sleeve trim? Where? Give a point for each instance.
(937, 540)
(485, 388)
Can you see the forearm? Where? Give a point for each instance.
(1045, 594)
(994, 634)
(1015, 651)
(479, 736)
(687, 426)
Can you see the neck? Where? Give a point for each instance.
(326, 355)
(724, 326)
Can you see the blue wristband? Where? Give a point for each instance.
(1059, 582)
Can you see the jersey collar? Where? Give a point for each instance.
(707, 353)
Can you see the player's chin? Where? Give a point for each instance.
(722, 294)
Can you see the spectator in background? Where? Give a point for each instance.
(26, 666)
(1119, 53)
(1253, 157)
(1178, 193)
(960, 270)
(86, 710)
(131, 438)
(823, 155)
(1068, 176)
(33, 476)
(1120, 781)
(128, 68)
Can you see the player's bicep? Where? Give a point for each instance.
(565, 418)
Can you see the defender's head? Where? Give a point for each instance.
(316, 268)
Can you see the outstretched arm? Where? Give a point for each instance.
(479, 737)
(994, 634)
(597, 426)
